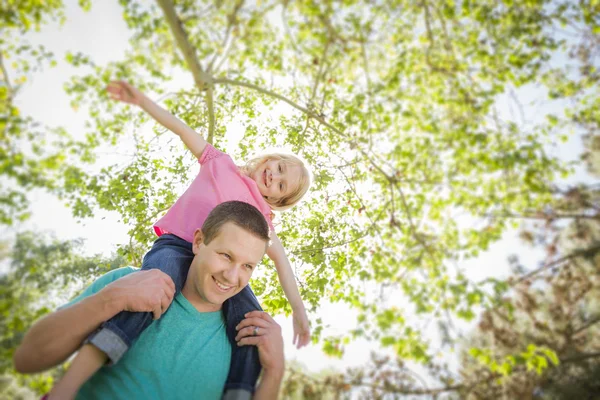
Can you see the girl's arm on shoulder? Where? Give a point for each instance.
(127, 93)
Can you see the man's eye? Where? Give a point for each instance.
(280, 170)
(281, 186)
(249, 266)
(227, 256)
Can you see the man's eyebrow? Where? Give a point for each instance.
(235, 256)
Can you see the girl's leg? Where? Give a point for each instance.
(171, 255)
(245, 366)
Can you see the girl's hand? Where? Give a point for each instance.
(301, 329)
(123, 91)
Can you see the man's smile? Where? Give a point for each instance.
(223, 287)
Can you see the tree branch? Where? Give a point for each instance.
(6, 80)
(544, 216)
(305, 110)
(578, 253)
(286, 27)
(587, 325)
(332, 246)
(335, 34)
(580, 357)
(202, 79)
(211, 114)
(320, 73)
(226, 45)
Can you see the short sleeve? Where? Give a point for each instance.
(209, 153)
(269, 217)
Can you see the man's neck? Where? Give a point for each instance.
(200, 304)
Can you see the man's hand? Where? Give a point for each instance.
(123, 91)
(149, 290)
(260, 330)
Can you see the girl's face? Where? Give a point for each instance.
(276, 179)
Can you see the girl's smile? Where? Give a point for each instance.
(276, 179)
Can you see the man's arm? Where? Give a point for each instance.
(268, 388)
(270, 351)
(51, 340)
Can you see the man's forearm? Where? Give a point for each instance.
(268, 388)
(51, 340)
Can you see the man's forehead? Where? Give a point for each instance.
(240, 239)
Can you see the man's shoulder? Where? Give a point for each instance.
(118, 273)
(101, 282)
(112, 276)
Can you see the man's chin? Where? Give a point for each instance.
(226, 296)
(220, 298)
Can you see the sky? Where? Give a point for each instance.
(102, 33)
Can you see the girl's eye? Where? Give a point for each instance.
(281, 186)
(249, 266)
(280, 170)
(227, 256)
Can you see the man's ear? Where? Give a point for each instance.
(198, 240)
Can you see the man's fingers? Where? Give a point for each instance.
(250, 341)
(165, 302)
(169, 290)
(249, 331)
(253, 321)
(170, 282)
(171, 294)
(260, 314)
(157, 311)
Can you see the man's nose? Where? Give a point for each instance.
(231, 274)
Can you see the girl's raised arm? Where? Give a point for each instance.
(123, 91)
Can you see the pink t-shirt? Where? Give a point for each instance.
(219, 180)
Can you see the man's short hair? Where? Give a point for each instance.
(244, 215)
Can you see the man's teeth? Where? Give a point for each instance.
(222, 286)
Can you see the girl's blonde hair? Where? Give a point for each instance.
(295, 195)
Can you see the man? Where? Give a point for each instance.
(186, 353)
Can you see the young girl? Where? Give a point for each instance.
(271, 182)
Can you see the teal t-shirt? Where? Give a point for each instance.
(183, 355)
